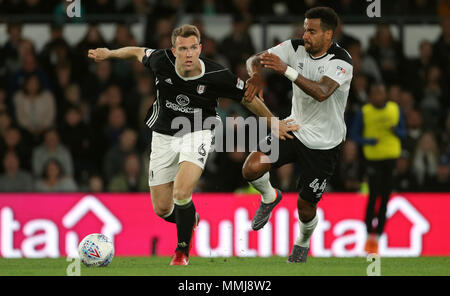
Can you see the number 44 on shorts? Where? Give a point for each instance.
(315, 185)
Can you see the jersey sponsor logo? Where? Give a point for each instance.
(179, 108)
(183, 100)
(240, 83)
(201, 89)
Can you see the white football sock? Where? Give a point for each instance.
(306, 230)
(262, 184)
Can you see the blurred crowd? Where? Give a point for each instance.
(212, 7)
(68, 124)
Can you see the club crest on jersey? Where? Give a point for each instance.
(201, 89)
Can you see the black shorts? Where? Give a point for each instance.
(316, 166)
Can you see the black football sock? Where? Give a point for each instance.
(172, 216)
(185, 219)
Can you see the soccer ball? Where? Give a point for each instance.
(96, 250)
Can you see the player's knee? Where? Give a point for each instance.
(306, 210)
(254, 168)
(161, 210)
(181, 194)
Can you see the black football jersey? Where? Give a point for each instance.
(178, 96)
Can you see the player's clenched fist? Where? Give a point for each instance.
(99, 54)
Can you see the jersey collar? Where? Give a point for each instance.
(193, 77)
(325, 54)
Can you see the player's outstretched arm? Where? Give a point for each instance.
(319, 90)
(130, 52)
(280, 128)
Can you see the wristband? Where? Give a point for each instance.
(291, 74)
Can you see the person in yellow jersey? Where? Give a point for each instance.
(379, 128)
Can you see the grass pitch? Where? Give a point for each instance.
(234, 266)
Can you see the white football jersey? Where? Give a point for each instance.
(321, 124)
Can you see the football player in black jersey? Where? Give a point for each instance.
(187, 86)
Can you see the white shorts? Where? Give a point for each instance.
(169, 151)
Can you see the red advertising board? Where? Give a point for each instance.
(51, 225)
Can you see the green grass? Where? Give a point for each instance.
(234, 266)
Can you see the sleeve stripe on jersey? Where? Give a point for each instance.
(296, 43)
(165, 51)
(212, 72)
(151, 121)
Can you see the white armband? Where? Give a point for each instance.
(291, 74)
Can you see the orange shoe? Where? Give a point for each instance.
(371, 246)
(179, 259)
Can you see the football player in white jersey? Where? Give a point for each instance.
(321, 73)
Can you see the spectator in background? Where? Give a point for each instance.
(122, 69)
(11, 47)
(56, 51)
(115, 156)
(388, 52)
(238, 44)
(404, 178)
(444, 136)
(419, 66)
(76, 136)
(14, 179)
(54, 179)
(348, 171)
(441, 48)
(344, 40)
(28, 66)
(132, 179)
(96, 184)
(443, 8)
(5, 120)
(378, 128)
(363, 63)
(92, 39)
(14, 142)
(357, 97)
(433, 98)
(414, 129)
(425, 160)
(441, 183)
(35, 107)
(97, 82)
(117, 121)
(51, 149)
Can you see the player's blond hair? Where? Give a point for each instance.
(185, 31)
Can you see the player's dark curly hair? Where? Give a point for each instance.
(328, 17)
